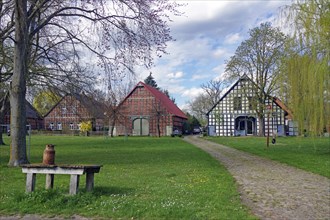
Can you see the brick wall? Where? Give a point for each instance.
(142, 105)
(67, 115)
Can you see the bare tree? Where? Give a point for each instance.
(203, 103)
(51, 40)
(213, 89)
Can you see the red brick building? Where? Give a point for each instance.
(33, 118)
(73, 109)
(147, 111)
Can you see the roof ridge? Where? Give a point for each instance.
(168, 103)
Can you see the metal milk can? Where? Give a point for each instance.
(49, 155)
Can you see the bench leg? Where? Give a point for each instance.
(49, 181)
(89, 181)
(30, 182)
(74, 184)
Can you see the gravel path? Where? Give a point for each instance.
(270, 189)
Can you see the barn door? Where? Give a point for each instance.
(141, 127)
(144, 127)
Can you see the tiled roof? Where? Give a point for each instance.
(283, 106)
(95, 108)
(168, 103)
(31, 112)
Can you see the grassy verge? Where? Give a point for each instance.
(146, 178)
(311, 154)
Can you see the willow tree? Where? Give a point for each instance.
(54, 41)
(306, 71)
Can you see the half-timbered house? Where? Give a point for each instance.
(235, 113)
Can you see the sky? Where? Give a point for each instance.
(206, 36)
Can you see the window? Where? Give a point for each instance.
(73, 110)
(71, 126)
(237, 103)
(51, 126)
(64, 111)
(59, 126)
(252, 103)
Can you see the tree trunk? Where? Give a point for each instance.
(4, 108)
(112, 127)
(158, 125)
(261, 132)
(1, 139)
(18, 88)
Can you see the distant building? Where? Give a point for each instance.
(33, 118)
(147, 111)
(234, 113)
(73, 109)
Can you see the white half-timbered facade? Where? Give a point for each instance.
(235, 114)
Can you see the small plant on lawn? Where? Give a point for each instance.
(85, 127)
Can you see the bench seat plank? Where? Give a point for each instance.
(50, 170)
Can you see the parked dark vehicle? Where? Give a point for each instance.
(196, 131)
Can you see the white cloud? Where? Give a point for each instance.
(199, 77)
(191, 93)
(176, 75)
(233, 38)
(219, 69)
(206, 36)
(220, 52)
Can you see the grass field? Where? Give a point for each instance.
(145, 178)
(311, 154)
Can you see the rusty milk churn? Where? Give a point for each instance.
(49, 155)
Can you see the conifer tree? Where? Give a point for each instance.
(150, 80)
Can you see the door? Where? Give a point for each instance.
(141, 127)
(245, 125)
(249, 127)
(144, 127)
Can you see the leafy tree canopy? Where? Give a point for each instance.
(45, 100)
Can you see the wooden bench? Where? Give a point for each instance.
(50, 170)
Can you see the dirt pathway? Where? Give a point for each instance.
(270, 189)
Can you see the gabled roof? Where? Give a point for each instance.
(244, 77)
(283, 106)
(168, 103)
(275, 99)
(31, 112)
(95, 108)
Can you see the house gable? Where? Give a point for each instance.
(235, 114)
(147, 111)
(73, 109)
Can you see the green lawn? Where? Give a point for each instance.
(311, 154)
(146, 178)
